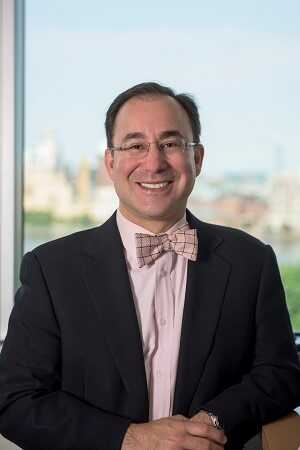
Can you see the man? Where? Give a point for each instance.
(154, 330)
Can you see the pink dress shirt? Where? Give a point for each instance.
(159, 292)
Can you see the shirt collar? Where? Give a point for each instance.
(127, 231)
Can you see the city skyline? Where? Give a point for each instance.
(270, 203)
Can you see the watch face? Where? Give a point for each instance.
(215, 420)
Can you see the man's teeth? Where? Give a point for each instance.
(154, 185)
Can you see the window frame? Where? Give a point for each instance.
(12, 20)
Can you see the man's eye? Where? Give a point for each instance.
(135, 147)
(169, 145)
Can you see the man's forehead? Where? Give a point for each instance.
(150, 102)
(144, 111)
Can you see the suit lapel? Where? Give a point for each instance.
(108, 282)
(206, 285)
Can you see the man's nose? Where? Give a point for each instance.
(155, 158)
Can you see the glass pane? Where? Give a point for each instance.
(241, 67)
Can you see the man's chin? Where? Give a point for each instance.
(167, 214)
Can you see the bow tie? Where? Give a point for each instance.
(183, 241)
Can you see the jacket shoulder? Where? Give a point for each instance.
(236, 235)
(234, 245)
(240, 248)
(65, 245)
(74, 243)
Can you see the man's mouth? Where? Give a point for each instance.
(155, 185)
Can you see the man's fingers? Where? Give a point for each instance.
(206, 431)
(202, 417)
(180, 417)
(194, 442)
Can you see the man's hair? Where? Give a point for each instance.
(152, 89)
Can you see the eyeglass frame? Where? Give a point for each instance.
(186, 144)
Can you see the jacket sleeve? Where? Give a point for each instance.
(272, 387)
(35, 412)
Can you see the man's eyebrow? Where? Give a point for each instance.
(163, 135)
(133, 135)
(170, 133)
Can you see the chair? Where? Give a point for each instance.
(283, 434)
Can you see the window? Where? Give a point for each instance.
(234, 62)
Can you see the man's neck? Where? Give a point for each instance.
(154, 226)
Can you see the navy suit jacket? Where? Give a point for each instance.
(72, 370)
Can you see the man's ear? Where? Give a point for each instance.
(198, 155)
(109, 161)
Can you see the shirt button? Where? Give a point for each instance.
(163, 322)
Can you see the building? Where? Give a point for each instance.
(284, 200)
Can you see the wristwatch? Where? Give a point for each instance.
(214, 419)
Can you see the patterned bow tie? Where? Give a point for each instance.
(183, 241)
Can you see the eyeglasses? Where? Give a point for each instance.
(168, 147)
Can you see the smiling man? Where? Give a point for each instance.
(153, 160)
(154, 331)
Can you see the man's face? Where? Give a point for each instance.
(152, 117)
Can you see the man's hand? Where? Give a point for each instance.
(174, 433)
(202, 417)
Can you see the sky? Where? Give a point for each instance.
(240, 60)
